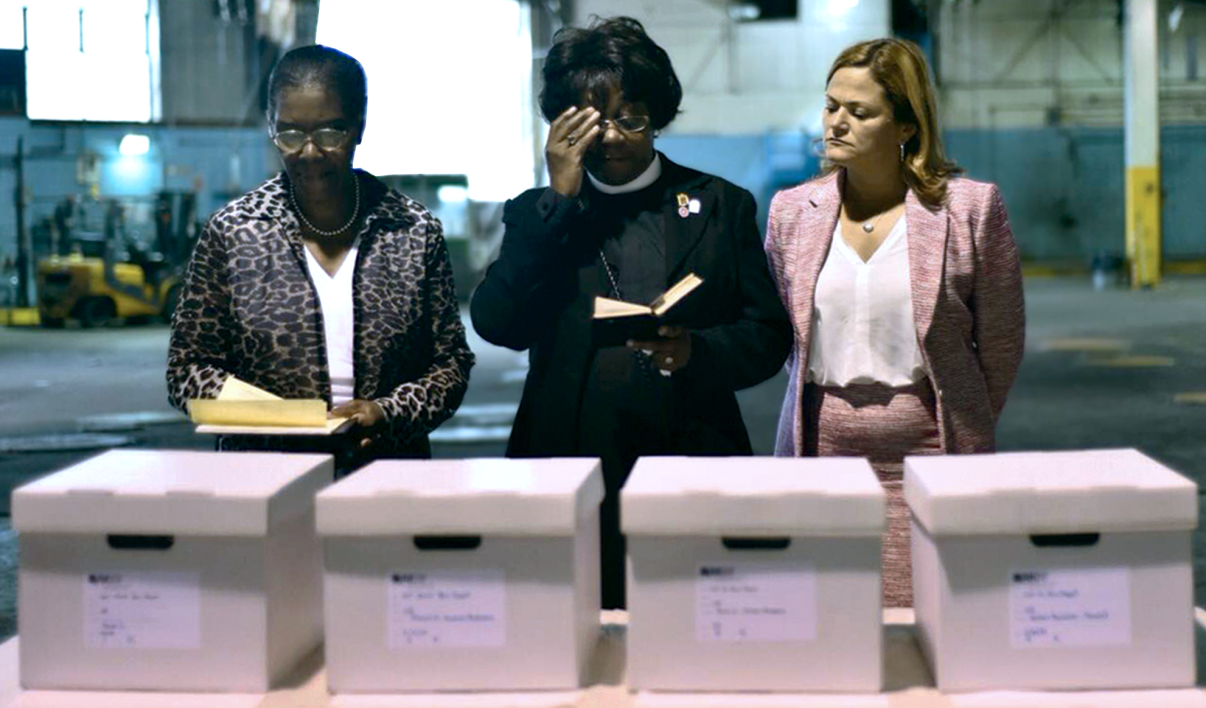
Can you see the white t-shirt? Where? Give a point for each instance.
(338, 320)
(862, 316)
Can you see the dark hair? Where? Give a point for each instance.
(611, 52)
(318, 65)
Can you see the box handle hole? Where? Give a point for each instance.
(447, 543)
(132, 542)
(741, 543)
(1065, 540)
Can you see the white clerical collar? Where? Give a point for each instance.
(646, 178)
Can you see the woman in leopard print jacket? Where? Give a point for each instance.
(324, 283)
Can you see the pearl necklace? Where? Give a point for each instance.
(301, 215)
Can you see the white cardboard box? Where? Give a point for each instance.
(170, 570)
(753, 574)
(1055, 570)
(461, 575)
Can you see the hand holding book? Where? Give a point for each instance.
(669, 353)
(366, 414)
(617, 322)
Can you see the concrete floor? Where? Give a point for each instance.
(1102, 369)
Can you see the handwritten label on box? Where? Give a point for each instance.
(755, 602)
(1069, 608)
(142, 610)
(447, 608)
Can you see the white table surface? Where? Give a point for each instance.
(907, 685)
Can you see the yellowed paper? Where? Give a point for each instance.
(242, 408)
(606, 307)
(281, 413)
(677, 292)
(236, 389)
(333, 426)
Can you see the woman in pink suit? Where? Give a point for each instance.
(903, 285)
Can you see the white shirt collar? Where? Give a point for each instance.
(646, 178)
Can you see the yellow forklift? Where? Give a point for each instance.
(95, 287)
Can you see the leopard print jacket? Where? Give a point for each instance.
(249, 308)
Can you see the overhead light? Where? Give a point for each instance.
(1174, 17)
(744, 12)
(839, 8)
(133, 144)
(452, 193)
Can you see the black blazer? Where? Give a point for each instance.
(539, 295)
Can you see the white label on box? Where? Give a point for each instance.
(755, 602)
(455, 608)
(1073, 608)
(142, 610)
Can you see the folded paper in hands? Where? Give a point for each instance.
(243, 409)
(616, 322)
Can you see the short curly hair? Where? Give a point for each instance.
(611, 52)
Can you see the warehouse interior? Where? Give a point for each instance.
(125, 123)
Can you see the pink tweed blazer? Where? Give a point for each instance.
(967, 300)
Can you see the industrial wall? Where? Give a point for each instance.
(743, 77)
(212, 64)
(1059, 63)
(752, 90)
(1031, 94)
(217, 164)
(216, 55)
(1032, 98)
(211, 141)
(1063, 188)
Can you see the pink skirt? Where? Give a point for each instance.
(882, 424)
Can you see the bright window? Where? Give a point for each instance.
(450, 89)
(87, 59)
(12, 32)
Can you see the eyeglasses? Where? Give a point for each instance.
(324, 139)
(626, 124)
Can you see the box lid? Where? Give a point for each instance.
(832, 496)
(546, 497)
(1048, 492)
(172, 492)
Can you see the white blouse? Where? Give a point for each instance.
(862, 316)
(338, 319)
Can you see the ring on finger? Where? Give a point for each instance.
(571, 139)
(669, 360)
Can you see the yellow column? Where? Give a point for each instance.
(1143, 242)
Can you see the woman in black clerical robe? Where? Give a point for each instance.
(620, 220)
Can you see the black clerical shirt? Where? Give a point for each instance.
(626, 405)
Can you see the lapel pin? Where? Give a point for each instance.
(693, 206)
(682, 199)
(683, 211)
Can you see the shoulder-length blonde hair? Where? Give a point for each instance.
(899, 67)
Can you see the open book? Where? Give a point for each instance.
(616, 322)
(243, 409)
